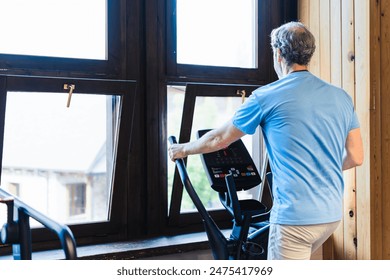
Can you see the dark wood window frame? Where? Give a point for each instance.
(106, 77)
(270, 14)
(194, 90)
(95, 232)
(113, 67)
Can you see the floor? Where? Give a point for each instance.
(206, 255)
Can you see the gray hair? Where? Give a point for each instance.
(295, 42)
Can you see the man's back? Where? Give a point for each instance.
(305, 122)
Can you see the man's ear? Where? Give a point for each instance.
(278, 55)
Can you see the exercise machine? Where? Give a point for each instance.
(17, 230)
(229, 171)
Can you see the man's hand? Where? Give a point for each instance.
(176, 151)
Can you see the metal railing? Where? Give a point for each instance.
(17, 230)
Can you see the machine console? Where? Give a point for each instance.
(234, 159)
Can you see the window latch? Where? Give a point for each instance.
(242, 93)
(71, 88)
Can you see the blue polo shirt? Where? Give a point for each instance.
(305, 122)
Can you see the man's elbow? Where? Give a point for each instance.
(352, 161)
(357, 163)
(359, 156)
(358, 159)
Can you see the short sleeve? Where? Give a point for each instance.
(355, 121)
(247, 117)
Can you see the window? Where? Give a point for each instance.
(200, 106)
(220, 40)
(48, 146)
(209, 112)
(62, 160)
(45, 48)
(65, 36)
(68, 162)
(71, 28)
(225, 32)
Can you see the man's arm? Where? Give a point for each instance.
(212, 141)
(354, 150)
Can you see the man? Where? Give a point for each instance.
(312, 134)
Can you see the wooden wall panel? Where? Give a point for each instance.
(363, 106)
(375, 131)
(348, 84)
(333, 24)
(385, 126)
(325, 40)
(336, 78)
(335, 43)
(314, 23)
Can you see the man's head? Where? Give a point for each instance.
(294, 43)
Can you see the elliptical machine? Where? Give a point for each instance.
(228, 171)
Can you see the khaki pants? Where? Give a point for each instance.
(297, 242)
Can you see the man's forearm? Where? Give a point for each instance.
(210, 142)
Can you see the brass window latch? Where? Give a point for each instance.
(242, 93)
(71, 88)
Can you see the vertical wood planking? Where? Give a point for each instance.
(385, 124)
(348, 83)
(304, 11)
(375, 132)
(333, 24)
(328, 63)
(335, 45)
(359, 35)
(362, 105)
(314, 25)
(309, 14)
(325, 40)
(336, 79)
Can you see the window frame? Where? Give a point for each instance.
(112, 67)
(194, 90)
(262, 74)
(93, 232)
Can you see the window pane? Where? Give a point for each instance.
(210, 112)
(58, 159)
(56, 28)
(217, 32)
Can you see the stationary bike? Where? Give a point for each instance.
(229, 171)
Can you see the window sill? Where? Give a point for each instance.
(141, 249)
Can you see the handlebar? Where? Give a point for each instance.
(181, 168)
(18, 233)
(218, 242)
(172, 140)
